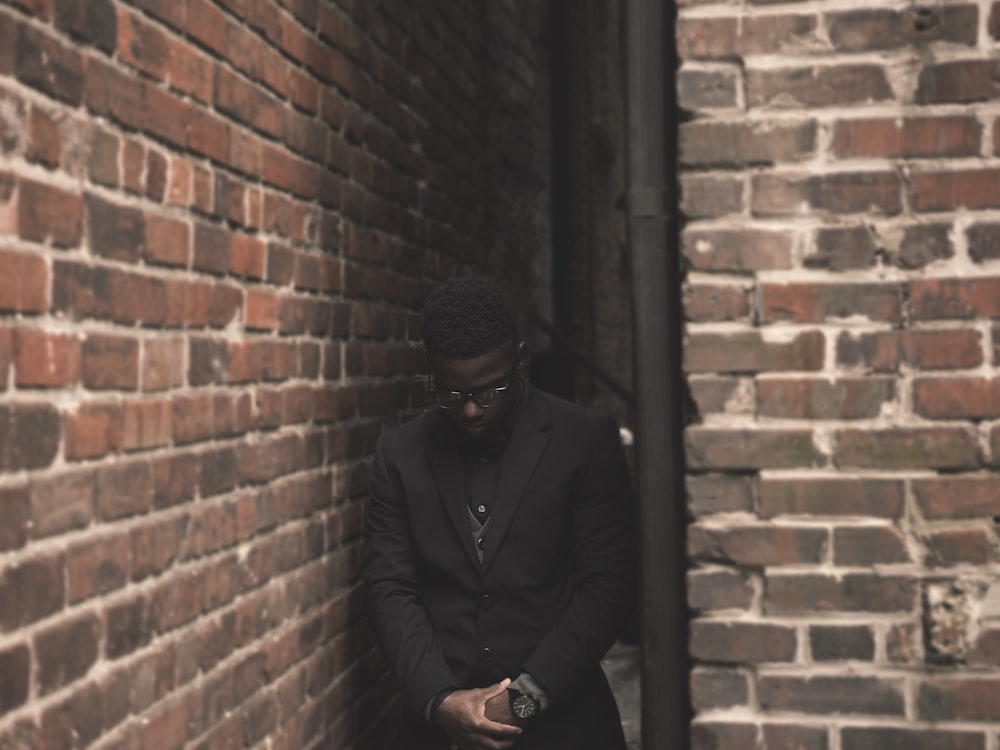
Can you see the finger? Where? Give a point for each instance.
(488, 692)
(498, 731)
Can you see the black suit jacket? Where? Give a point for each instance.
(557, 580)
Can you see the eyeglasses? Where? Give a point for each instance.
(484, 398)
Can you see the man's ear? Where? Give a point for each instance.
(520, 356)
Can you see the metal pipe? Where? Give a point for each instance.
(652, 203)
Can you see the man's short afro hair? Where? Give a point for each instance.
(466, 318)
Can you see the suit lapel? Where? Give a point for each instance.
(527, 444)
(446, 467)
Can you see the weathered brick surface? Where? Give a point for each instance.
(218, 221)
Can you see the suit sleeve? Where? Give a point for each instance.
(605, 579)
(389, 569)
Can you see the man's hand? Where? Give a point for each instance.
(498, 710)
(463, 716)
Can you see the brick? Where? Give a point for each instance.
(986, 649)
(49, 214)
(843, 248)
(958, 496)
(886, 351)
(955, 298)
(869, 545)
(807, 302)
(718, 688)
(839, 193)
(15, 666)
(142, 46)
(719, 589)
(912, 138)
(219, 472)
(709, 448)
(261, 310)
(97, 566)
(950, 547)
(845, 398)
(824, 695)
(705, 303)
(192, 418)
(29, 436)
(115, 232)
(15, 507)
(167, 727)
(124, 490)
(798, 737)
(757, 546)
(719, 494)
(899, 738)
(949, 191)
(797, 594)
(831, 497)
(66, 652)
(983, 242)
(45, 64)
(820, 86)
(190, 71)
(971, 699)
(960, 81)
(212, 248)
(247, 104)
(708, 89)
(62, 502)
(901, 644)
(878, 29)
(716, 395)
(74, 720)
(110, 363)
(902, 448)
(94, 430)
(247, 257)
(922, 245)
(128, 627)
(24, 285)
(91, 21)
(710, 196)
(102, 164)
(156, 175)
(155, 546)
(741, 144)
(30, 590)
(750, 352)
(727, 37)
(44, 140)
(722, 736)
(166, 242)
(956, 398)
(180, 185)
(147, 424)
(133, 166)
(162, 363)
(46, 360)
(841, 643)
(738, 250)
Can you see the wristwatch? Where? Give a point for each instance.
(522, 705)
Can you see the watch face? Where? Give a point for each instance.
(524, 706)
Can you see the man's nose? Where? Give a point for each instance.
(471, 410)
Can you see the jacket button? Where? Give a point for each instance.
(485, 654)
(485, 601)
(481, 542)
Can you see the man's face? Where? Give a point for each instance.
(494, 369)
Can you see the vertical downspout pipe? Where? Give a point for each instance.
(653, 230)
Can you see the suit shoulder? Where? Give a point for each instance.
(409, 432)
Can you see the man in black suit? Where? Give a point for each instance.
(499, 547)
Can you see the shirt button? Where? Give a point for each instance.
(481, 543)
(485, 601)
(481, 508)
(485, 655)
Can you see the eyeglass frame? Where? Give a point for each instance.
(471, 395)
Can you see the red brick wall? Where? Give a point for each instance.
(217, 222)
(841, 184)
